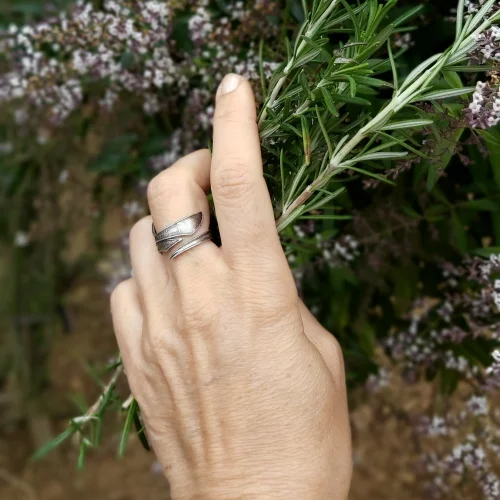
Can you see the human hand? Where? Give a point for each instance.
(242, 391)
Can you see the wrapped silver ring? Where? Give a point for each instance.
(179, 232)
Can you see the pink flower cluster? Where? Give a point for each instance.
(471, 292)
(125, 45)
(484, 110)
(467, 311)
(128, 47)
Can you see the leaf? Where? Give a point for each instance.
(442, 155)
(353, 18)
(319, 47)
(295, 183)
(486, 252)
(481, 205)
(352, 86)
(453, 79)
(376, 156)
(376, 42)
(305, 57)
(418, 71)
(340, 144)
(344, 60)
(460, 18)
(381, 178)
(53, 444)
(81, 455)
(351, 100)
(481, 15)
(470, 69)
(132, 409)
(329, 102)
(324, 132)
(326, 217)
(304, 83)
(139, 428)
(306, 139)
(282, 173)
(290, 218)
(408, 15)
(407, 124)
(444, 94)
(393, 66)
(404, 144)
(371, 82)
(325, 200)
(296, 10)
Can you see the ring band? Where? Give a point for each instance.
(191, 244)
(177, 232)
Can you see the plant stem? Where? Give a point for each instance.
(400, 100)
(372, 126)
(92, 411)
(303, 44)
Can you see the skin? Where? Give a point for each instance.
(241, 389)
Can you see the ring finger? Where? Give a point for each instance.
(177, 193)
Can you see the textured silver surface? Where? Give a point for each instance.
(177, 232)
(184, 227)
(166, 245)
(191, 244)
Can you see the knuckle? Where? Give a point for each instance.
(232, 180)
(166, 185)
(336, 351)
(198, 317)
(335, 358)
(147, 348)
(158, 341)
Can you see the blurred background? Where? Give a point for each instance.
(72, 183)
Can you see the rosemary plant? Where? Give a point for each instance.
(314, 101)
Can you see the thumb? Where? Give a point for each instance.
(325, 342)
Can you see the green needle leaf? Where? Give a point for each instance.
(444, 94)
(132, 409)
(407, 124)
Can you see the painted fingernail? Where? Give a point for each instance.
(228, 84)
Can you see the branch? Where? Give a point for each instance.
(309, 34)
(92, 411)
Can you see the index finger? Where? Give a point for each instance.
(242, 202)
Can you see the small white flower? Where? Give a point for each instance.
(478, 405)
(63, 176)
(133, 209)
(21, 239)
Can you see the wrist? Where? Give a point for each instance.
(262, 488)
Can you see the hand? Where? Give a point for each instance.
(241, 389)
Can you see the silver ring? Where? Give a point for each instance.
(178, 232)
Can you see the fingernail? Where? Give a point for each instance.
(228, 84)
